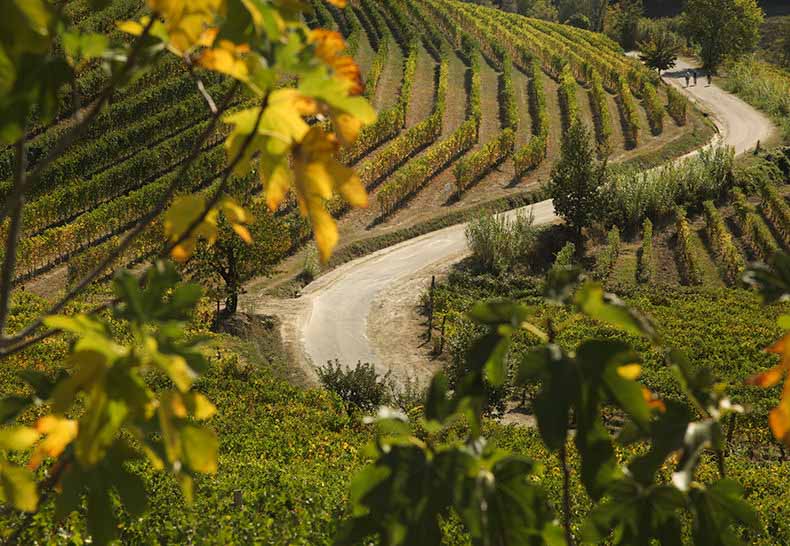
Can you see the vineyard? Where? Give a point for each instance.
(472, 106)
(711, 241)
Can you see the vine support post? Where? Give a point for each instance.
(430, 307)
(566, 496)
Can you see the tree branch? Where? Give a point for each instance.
(99, 268)
(201, 87)
(12, 239)
(83, 120)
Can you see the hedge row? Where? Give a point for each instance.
(507, 96)
(417, 172)
(474, 166)
(630, 116)
(728, 256)
(601, 115)
(568, 102)
(676, 105)
(370, 31)
(654, 108)
(777, 211)
(689, 265)
(646, 267)
(755, 231)
(376, 68)
(605, 260)
(533, 153)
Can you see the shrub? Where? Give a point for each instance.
(630, 117)
(600, 111)
(731, 262)
(646, 267)
(777, 211)
(360, 387)
(507, 96)
(498, 243)
(565, 257)
(567, 92)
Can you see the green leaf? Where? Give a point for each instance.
(12, 406)
(72, 485)
(593, 302)
(102, 524)
(18, 487)
(17, 438)
(438, 406)
(201, 449)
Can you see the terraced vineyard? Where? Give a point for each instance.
(472, 105)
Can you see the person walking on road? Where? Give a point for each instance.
(709, 78)
(687, 78)
(694, 73)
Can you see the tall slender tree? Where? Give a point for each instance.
(723, 27)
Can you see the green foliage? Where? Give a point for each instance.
(499, 243)
(660, 51)
(565, 258)
(575, 179)
(654, 108)
(360, 386)
(731, 263)
(477, 164)
(623, 25)
(605, 260)
(646, 269)
(777, 211)
(755, 232)
(632, 197)
(762, 85)
(533, 153)
(677, 105)
(627, 103)
(687, 258)
(568, 101)
(507, 97)
(601, 115)
(723, 27)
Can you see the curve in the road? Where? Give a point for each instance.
(330, 320)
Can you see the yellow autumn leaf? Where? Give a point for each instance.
(187, 20)
(58, 431)
(339, 3)
(329, 45)
(237, 217)
(182, 214)
(779, 418)
(630, 372)
(226, 58)
(317, 176)
(17, 438)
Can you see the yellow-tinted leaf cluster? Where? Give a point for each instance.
(188, 214)
(226, 58)
(328, 47)
(779, 418)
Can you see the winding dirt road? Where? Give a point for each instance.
(354, 313)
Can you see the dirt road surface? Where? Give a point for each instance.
(365, 310)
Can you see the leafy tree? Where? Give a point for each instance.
(575, 179)
(226, 265)
(723, 27)
(623, 22)
(579, 20)
(539, 9)
(660, 52)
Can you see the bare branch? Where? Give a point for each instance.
(201, 87)
(12, 239)
(83, 120)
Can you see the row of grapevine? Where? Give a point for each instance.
(754, 230)
(376, 68)
(355, 33)
(418, 171)
(601, 116)
(117, 146)
(729, 258)
(432, 39)
(144, 103)
(52, 246)
(370, 31)
(654, 108)
(507, 96)
(777, 211)
(689, 265)
(533, 153)
(629, 113)
(474, 166)
(676, 105)
(605, 260)
(646, 267)
(568, 102)
(68, 200)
